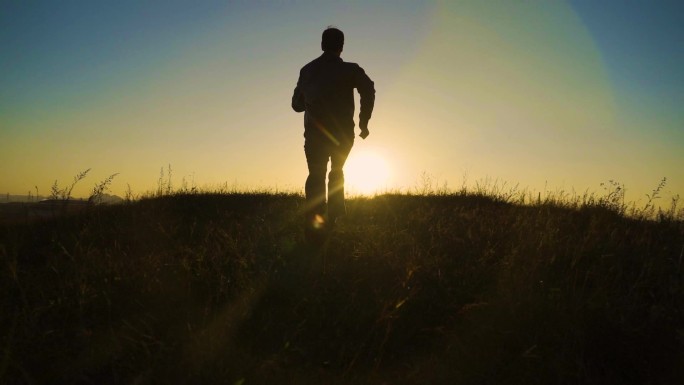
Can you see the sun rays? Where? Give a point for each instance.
(366, 172)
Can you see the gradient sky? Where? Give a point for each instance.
(550, 95)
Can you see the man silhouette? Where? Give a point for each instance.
(325, 93)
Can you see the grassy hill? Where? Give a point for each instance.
(452, 289)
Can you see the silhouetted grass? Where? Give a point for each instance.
(461, 288)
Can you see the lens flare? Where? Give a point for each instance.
(318, 222)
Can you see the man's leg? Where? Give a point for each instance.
(317, 161)
(336, 207)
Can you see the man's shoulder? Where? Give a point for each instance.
(345, 66)
(313, 63)
(309, 64)
(351, 65)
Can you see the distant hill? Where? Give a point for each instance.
(7, 198)
(110, 199)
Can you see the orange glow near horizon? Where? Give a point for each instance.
(521, 92)
(366, 173)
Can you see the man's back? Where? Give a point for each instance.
(325, 90)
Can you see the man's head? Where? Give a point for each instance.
(332, 41)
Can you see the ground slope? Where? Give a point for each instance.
(407, 289)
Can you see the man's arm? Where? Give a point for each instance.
(298, 103)
(298, 100)
(366, 89)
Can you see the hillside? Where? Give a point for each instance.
(454, 289)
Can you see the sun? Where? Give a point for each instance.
(366, 173)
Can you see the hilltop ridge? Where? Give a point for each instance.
(219, 288)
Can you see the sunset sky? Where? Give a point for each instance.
(548, 95)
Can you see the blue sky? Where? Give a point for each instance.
(545, 94)
(642, 43)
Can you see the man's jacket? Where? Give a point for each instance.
(325, 91)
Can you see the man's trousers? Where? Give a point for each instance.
(318, 152)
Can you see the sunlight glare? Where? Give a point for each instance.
(366, 173)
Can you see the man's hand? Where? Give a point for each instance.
(364, 130)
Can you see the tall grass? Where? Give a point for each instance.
(492, 285)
